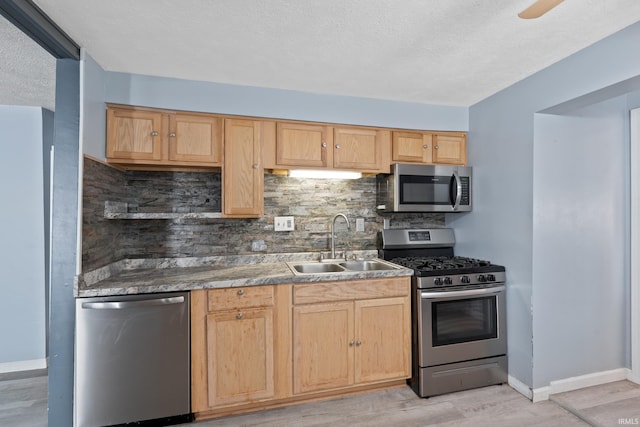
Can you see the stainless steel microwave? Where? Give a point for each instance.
(424, 188)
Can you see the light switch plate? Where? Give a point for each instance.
(359, 224)
(283, 223)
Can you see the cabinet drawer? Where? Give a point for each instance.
(351, 290)
(241, 297)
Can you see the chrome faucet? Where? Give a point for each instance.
(333, 234)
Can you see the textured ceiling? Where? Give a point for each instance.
(447, 52)
(27, 71)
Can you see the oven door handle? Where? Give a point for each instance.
(466, 293)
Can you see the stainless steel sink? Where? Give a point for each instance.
(317, 267)
(339, 267)
(366, 265)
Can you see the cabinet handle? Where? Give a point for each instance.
(172, 134)
(436, 147)
(154, 133)
(240, 292)
(324, 144)
(239, 316)
(256, 166)
(351, 343)
(338, 146)
(425, 146)
(358, 343)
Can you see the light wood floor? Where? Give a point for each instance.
(602, 405)
(23, 399)
(23, 402)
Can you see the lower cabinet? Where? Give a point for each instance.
(240, 355)
(350, 333)
(235, 346)
(322, 346)
(265, 346)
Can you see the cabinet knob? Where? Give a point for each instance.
(172, 134)
(154, 133)
(256, 166)
(425, 146)
(239, 316)
(436, 147)
(338, 146)
(324, 144)
(351, 343)
(240, 292)
(358, 343)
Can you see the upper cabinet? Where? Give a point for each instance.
(243, 172)
(450, 148)
(412, 147)
(195, 138)
(157, 138)
(429, 147)
(320, 146)
(299, 144)
(242, 148)
(134, 134)
(360, 148)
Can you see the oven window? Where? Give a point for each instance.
(464, 320)
(420, 190)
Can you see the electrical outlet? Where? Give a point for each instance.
(359, 224)
(283, 223)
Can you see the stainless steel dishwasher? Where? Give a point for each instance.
(132, 360)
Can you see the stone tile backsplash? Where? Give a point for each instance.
(312, 202)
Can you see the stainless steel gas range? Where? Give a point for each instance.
(459, 338)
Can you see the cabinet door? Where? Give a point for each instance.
(322, 346)
(195, 138)
(383, 339)
(240, 356)
(450, 149)
(356, 148)
(243, 174)
(414, 147)
(303, 145)
(134, 134)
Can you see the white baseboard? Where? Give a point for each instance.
(520, 387)
(575, 383)
(23, 365)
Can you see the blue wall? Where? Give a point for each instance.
(24, 131)
(580, 245)
(510, 155)
(93, 116)
(101, 86)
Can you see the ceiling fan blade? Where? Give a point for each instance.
(539, 8)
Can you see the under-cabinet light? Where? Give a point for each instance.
(314, 173)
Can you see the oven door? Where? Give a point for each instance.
(454, 326)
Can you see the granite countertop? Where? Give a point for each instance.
(129, 277)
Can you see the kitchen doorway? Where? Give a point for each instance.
(635, 245)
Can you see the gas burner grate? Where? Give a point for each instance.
(441, 263)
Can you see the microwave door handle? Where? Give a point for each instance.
(455, 201)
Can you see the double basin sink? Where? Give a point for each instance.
(319, 267)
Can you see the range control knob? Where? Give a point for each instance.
(448, 281)
(465, 279)
(481, 278)
(437, 281)
(491, 277)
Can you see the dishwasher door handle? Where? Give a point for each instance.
(119, 305)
